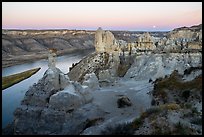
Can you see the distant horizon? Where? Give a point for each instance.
(115, 16)
(50, 29)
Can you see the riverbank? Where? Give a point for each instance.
(8, 81)
(11, 60)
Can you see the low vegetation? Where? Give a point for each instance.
(8, 81)
(174, 85)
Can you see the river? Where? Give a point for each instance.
(12, 96)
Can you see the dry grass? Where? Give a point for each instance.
(8, 81)
(174, 83)
(170, 106)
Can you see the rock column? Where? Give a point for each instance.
(51, 58)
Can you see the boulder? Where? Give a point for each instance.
(66, 99)
(123, 102)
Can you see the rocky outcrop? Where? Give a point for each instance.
(153, 66)
(51, 58)
(104, 41)
(99, 63)
(182, 39)
(189, 33)
(145, 42)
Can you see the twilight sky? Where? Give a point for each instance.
(133, 16)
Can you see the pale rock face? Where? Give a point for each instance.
(91, 81)
(52, 81)
(145, 38)
(182, 34)
(92, 63)
(186, 37)
(51, 59)
(145, 42)
(182, 39)
(99, 45)
(57, 78)
(104, 75)
(66, 99)
(194, 45)
(114, 61)
(200, 35)
(104, 41)
(158, 65)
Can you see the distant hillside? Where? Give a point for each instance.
(193, 28)
(17, 42)
(193, 32)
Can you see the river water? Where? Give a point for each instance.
(12, 96)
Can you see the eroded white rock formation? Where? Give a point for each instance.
(155, 66)
(104, 41)
(91, 81)
(145, 42)
(51, 58)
